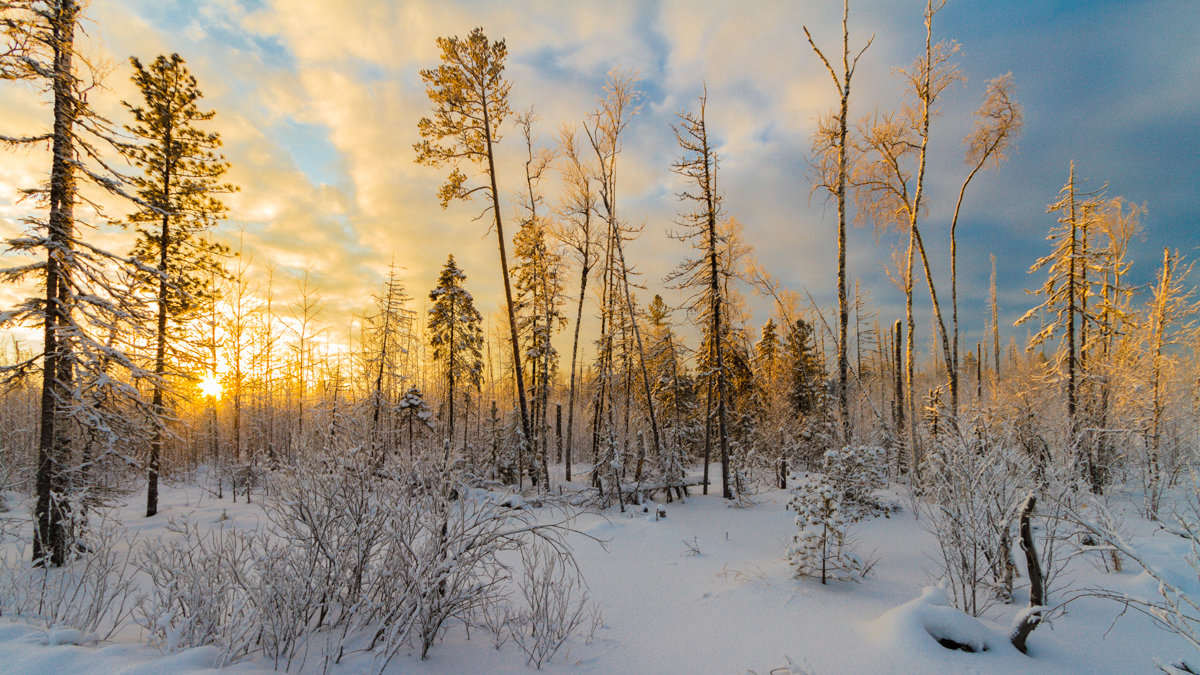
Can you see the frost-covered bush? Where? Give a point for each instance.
(974, 481)
(1175, 604)
(554, 603)
(92, 592)
(354, 557)
(200, 590)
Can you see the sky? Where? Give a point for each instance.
(318, 103)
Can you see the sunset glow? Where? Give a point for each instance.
(210, 386)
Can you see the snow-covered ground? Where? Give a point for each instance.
(707, 589)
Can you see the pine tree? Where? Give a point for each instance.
(470, 98)
(672, 389)
(766, 357)
(456, 335)
(806, 374)
(178, 188)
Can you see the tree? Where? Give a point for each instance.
(833, 171)
(305, 329)
(241, 305)
(1172, 308)
(604, 131)
(455, 335)
(671, 386)
(178, 188)
(539, 290)
(578, 233)
(706, 273)
(1064, 290)
(86, 304)
(997, 122)
(385, 332)
(803, 365)
(470, 99)
(890, 185)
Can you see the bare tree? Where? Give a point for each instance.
(997, 122)
(890, 183)
(832, 162)
(578, 234)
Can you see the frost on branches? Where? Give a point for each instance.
(825, 503)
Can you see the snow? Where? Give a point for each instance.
(733, 607)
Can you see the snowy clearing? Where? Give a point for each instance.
(700, 587)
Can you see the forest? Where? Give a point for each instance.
(205, 459)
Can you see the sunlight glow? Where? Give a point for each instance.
(210, 386)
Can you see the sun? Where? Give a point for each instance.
(210, 386)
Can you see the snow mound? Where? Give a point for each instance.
(928, 621)
(67, 636)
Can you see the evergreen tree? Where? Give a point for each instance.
(766, 358)
(470, 98)
(456, 335)
(538, 283)
(178, 188)
(805, 372)
(87, 312)
(672, 388)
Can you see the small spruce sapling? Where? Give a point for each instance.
(824, 505)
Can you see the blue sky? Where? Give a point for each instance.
(318, 104)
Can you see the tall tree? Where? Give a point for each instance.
(605, 129)
(181, 178)
(1064, 291)
(385, 332)
(539, 290)
(890, 186)
(470, 99)
(997, 122)
(578, 233)
(706, 273)
(805, 371)
(82, 296)
(832, 161)
(455, 334)
(1171, 321)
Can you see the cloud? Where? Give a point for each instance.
(318, 104)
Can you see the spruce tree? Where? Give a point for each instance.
(455, 335)
(178, 188)
(805, 372)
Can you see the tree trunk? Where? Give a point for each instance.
(1033, 615)
(508, 299)
(583, 277)
(50, 538)
(160, 347)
